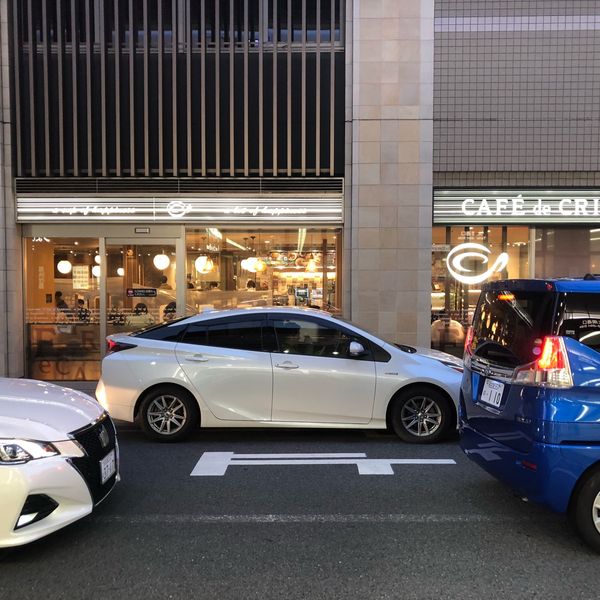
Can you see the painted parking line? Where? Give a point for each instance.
(215, 464)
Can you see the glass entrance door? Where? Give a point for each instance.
(140, 284)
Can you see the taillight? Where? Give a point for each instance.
(551, 369)
(469, 341)
(468, 350)
(113, 346)
(552, 355)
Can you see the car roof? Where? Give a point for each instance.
(212, 313)
(591, 285)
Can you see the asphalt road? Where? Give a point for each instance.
(304, 531)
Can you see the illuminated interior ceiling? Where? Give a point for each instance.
(291, 240)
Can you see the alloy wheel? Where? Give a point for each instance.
(596, 512)
(421, 416)
(166, 414)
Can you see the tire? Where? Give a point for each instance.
(168, 414)
(585, 510)
(421, 415)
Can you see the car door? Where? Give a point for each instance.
(315, 379)
(225, 362)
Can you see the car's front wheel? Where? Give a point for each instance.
(168, 414)
(421, 415)
(585, 509)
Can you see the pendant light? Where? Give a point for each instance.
(64, 267)
(161, 262)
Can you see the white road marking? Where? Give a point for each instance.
(215, 464)
(324, 518)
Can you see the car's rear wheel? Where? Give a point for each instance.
(421, 415)
(585, 509)
(168, 414)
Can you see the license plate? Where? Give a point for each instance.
(108, 467)
(492, 392)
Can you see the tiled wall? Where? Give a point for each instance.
(389, 169)
(11, 294)
(516, 89)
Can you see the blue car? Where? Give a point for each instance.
(530, 394)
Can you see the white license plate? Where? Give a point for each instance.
(492, 392)
(108, 466)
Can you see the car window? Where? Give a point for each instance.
(313, 338)
(170, 332)
(238, 335)
(580, 318)
(508, 326)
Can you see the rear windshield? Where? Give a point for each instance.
(579, 318)
(508, 326)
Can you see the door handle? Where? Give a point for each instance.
(196, 358)
(286, 365)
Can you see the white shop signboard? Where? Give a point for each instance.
(37, 209)
(513, 207)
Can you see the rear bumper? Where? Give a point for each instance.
(118, 402)
(546, 475)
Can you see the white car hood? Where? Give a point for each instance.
(443, 356)
(37, 410)
(427, 353)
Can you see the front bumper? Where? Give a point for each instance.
(547, 474)
(74, 484)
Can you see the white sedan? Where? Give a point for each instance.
(58, 458)
(276, 367)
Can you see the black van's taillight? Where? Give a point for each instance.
(112, 346)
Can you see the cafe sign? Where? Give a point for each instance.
(33, 209)
(529, 207)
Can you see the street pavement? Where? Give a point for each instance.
(305, 531)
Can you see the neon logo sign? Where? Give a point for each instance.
(455, 258)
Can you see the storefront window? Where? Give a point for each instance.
(140, 285)
(62, 312)
(566, 251)
(500, 253)
(227, 269)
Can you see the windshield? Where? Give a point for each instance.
(361, 328)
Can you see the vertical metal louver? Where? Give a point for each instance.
(183, 88)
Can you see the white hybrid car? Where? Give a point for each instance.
(276, 367)
(58, 458)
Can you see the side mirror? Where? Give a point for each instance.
(356, 349)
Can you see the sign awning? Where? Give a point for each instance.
(516, 207)
(182, 209)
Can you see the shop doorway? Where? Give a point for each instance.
(80, 289)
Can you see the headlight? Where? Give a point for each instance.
(16, 451)
(13, 451)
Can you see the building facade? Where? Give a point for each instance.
(376, 158)
(516, 148)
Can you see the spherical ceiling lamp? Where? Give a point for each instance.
(311, 265)
(260, 265)
(249, 264)
(64, 267)
(96, 270)
(97, 259)
(161, 262)
(121, 272)
(204, 264)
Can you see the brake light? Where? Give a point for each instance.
(552, 356)
(469, 341)
(551, 369)
(506, 296)
(113, 346)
